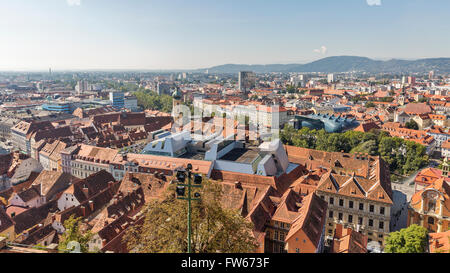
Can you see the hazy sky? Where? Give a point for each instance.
(177, 34)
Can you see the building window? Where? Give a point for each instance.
(331, 201)
(382, 210)
(370, 223)
(380, 236)
(381, 225)
(361, 206)
(341, 202)
(432, 205)
(360, 220)
(275, 236)
(297, 250)
(281, 236)
(340, 216)
(323, 197)
(350, 218)
(431, 220)
(372, 208)
(350, 204)
(330, 214)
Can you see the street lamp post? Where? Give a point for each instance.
(181, 177)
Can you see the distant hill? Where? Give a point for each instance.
(343, 64)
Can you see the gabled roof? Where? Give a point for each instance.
(51, 183)
(5, 221)
(349, 241)
(153, 185)
(29, 194)
(288, 206)
(34, 216)
(358, 187)
(94, 184)
(439, 242)
(311, 218)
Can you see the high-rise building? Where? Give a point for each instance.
(411, 80)
(330, 78)
(431, 75)
(247, 81)
(117, 99)
(81, 87)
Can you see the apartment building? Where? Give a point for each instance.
(356, 187)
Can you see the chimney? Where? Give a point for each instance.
(86, 190)
(91, 205)
(110, 183)
(83, 210)
(339, 231)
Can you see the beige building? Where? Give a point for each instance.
(357, 203)
(423, 121)
(90, 160)
(356, 187)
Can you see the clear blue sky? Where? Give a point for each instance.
(178, 34)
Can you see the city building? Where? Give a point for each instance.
(357, 188)
(131, 103)
(247, 81)
(117, 99)
(430, 207)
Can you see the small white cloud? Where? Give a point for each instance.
(322, 50)
(73, 2)
(374, 2)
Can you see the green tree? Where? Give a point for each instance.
(73, 233)
(409, 240)
(403, 156)
(150, 100)
(369, 147)
(214, 228)
(370, 104)
(412, 125)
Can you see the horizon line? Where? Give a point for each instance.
(204, 68)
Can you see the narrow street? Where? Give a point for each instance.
(402, 193)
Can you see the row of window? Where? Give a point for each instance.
(86, 167)
(281, 225)
(352, 205)
(359, 220)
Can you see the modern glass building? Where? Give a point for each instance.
(117, 99)
(65, 107)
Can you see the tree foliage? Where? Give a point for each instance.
(412, 125)
(214, 228)
(153, 101)
(370, 104)
(73, 233)
(409, 240)
(403, 156)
